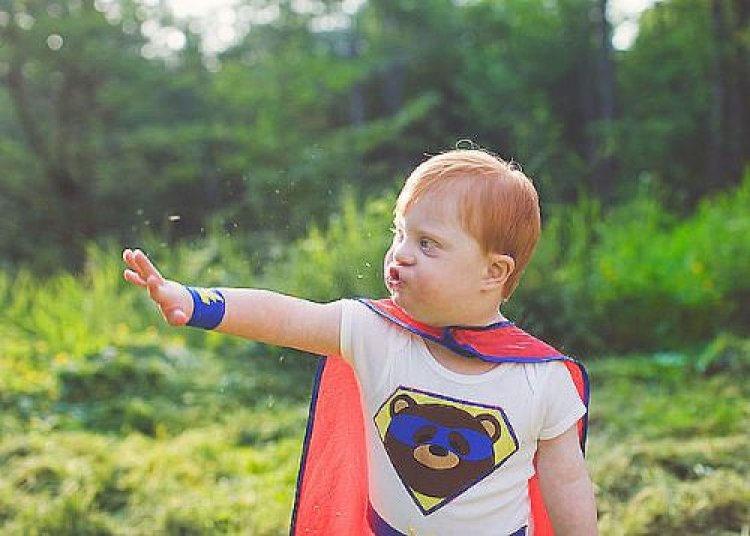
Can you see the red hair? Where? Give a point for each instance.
(498, 205)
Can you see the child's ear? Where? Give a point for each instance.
(499, 268)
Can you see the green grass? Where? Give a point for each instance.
(188, 444)
(218, 454)
(669, 450)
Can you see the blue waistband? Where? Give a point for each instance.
(381, 527)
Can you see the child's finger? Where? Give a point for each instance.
(132, 277)
(145, 266)
(127, 256)
(176, 317)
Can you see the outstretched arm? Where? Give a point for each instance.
(566, 486)
(259, 315)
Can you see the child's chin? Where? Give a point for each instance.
(399, 300)
(406, 305)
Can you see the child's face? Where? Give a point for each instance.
(434, 269)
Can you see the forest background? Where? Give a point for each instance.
(272, 159)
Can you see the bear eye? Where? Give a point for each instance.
(458, 443)
(424, 434)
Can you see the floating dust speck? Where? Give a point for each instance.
(55, 42)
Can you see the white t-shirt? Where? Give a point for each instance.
(450, 452)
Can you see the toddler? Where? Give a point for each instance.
(434, 414)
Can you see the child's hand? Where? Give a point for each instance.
(173, 299)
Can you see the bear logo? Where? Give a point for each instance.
(440, 448)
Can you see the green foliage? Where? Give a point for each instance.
(661, 132)
(726, 353)
(63, 73)
(524, 73)
(91, 350)
(345, 260)
(69, 312)
(102, 138)
(111, 386)
(638, 277)
(669, 395)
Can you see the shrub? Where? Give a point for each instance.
(345, 260)
(726, 353)
(113, 373)
(637, 278)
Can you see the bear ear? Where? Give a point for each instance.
(400, 403)
(491, 425)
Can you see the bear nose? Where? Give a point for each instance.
(437, 450)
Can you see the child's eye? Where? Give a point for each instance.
(426, 244)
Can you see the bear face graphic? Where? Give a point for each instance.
(439, 450)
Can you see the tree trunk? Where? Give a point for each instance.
(737, 105)
(72, 228)
(604, 171)
(393, 93)
(357, 105)
(726, 125)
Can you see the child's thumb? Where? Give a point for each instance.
(175, 316)
(167, 297)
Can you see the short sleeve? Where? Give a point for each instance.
(367, 341)
(348, 326)
(561, 406)
(356, 320)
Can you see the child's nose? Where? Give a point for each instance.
(402, 253)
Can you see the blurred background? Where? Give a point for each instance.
(261, 143)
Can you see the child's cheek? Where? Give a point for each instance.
(386, 261)
(388, 256)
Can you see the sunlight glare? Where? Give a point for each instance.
(218, 18)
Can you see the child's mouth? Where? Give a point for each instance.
(394, 279)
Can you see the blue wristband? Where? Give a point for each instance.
(208, 307)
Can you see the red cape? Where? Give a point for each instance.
(332, 489)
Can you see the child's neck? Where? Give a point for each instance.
(457, 363)
(478, 317)
(492, 317)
